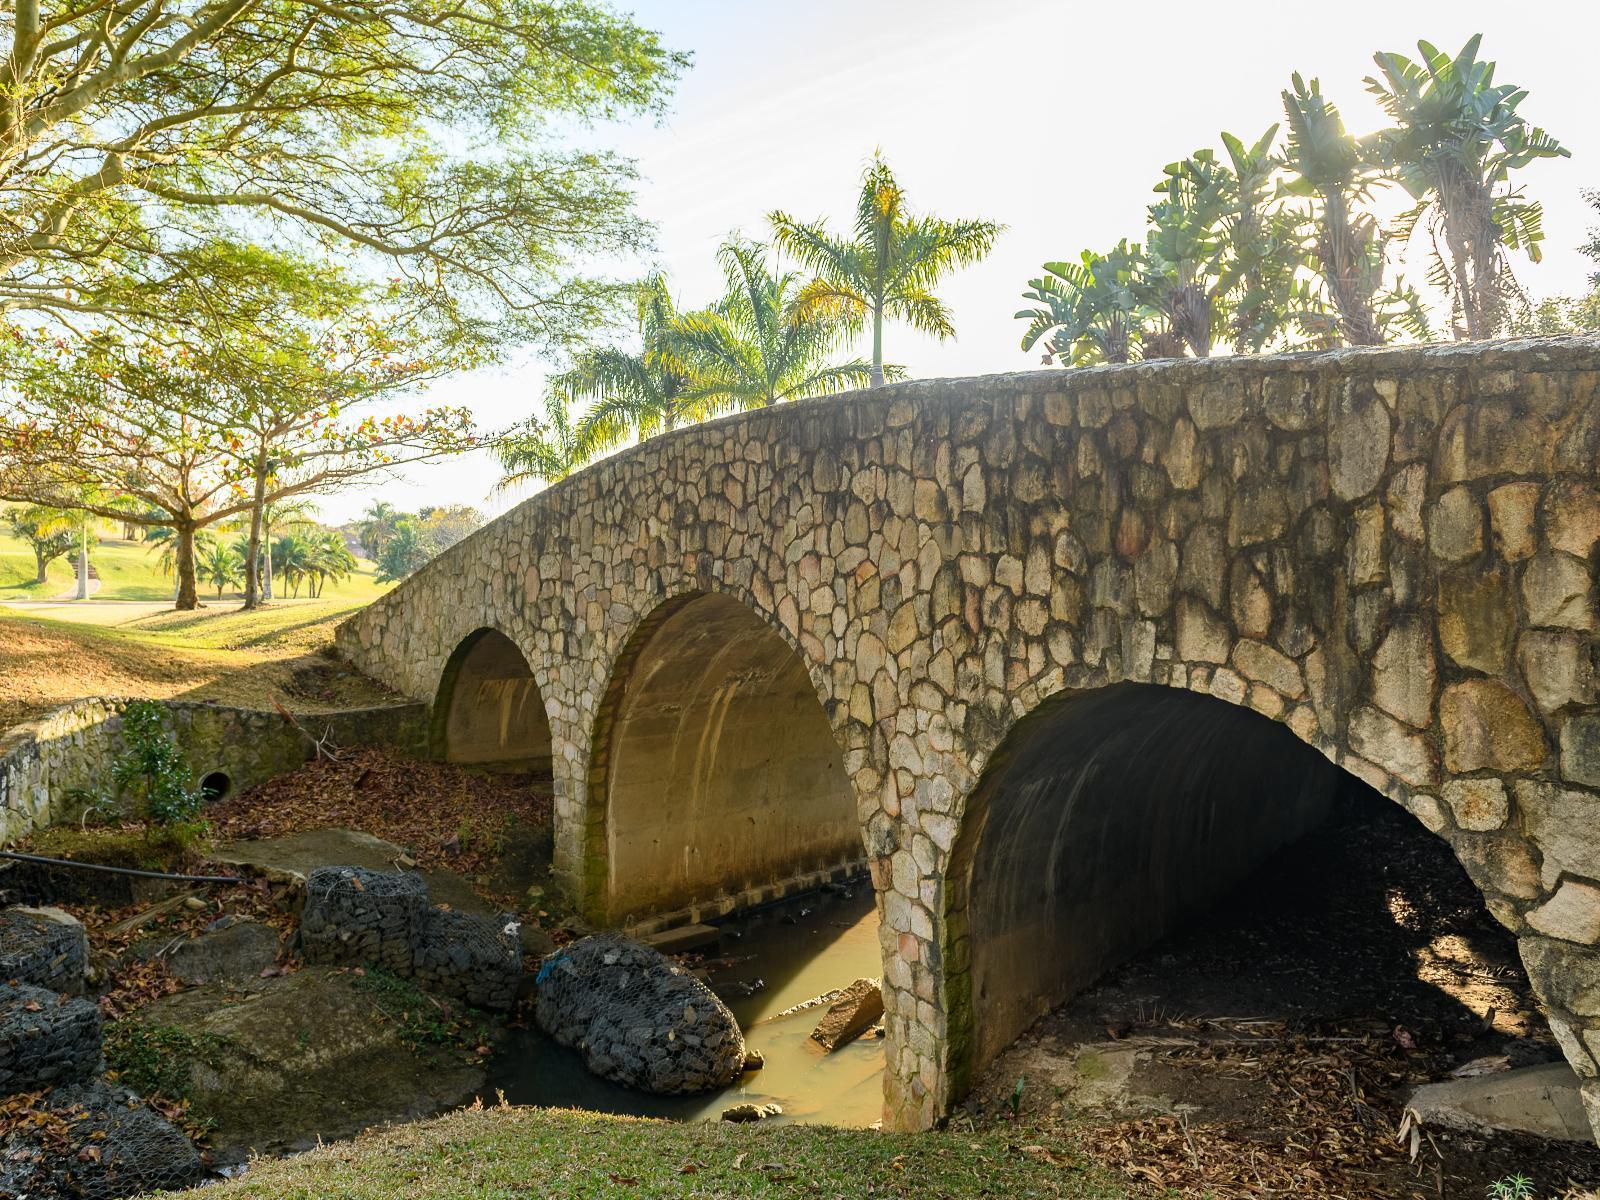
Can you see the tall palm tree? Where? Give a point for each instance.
(377, 526)
(1456, 139)
(765, 342)
(1348, 251)
(889, 265)
(328, 558)
(1090, 311)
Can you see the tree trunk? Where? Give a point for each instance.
(252, 556)
(877, 347)
(183, 564)
(43, 564)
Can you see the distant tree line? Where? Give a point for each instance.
(1273, 244)
(401, 542)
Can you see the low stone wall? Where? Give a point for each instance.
(50, 767)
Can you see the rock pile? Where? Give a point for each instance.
(353, 915)
(45, 1039)
(638, 1017)
(468, 957)
(95, 1142)
(384, 919)
(43, 946)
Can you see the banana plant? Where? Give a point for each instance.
(1457, 137)
(1088, 311)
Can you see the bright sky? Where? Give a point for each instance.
(1052, 116)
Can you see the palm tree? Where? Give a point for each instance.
(643, 393)
(542, 451)
(219, 565)
(377, 526)
(1090, 311)
(291, 560)
(1456, 139)
(328, 558)
(765, 342)
(889, 265)
(1348, 250)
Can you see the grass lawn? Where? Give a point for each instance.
(132, 571)
(490, 1154)
(252, 659)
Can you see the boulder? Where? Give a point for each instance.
(229, 949)
(95, 1142)
(639, 1018)
(858, 1008)
(744, 1114)
(45, 1039)
(320, 1054)
(43, 946)
(1542, 1100)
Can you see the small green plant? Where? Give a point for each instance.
(423, 1020)
(1016, 1096)
(153, 774)
(1512, 1187)
(154, 1060)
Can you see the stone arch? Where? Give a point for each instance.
(716, 778)
(488, 707)
(1116, 811)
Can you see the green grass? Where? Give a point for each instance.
(132, 571)
(506, 1153)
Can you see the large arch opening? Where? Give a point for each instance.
(1104, 821)
(488, 710)
(716, 774)
(1168, 916)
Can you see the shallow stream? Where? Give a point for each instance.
(768, 961)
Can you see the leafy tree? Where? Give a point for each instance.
(767, 340)
(1180, 271)
(1089, 310)
(1592, 246)
(1456, 139)
(1348, 250)
(157, 435)
(447, 525)
(422, 136)
(50, 532)
(220, 565)
(889, 264)
(377, 526)
(406, 552)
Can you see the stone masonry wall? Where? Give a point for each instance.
(47, 764)
(1393, 552)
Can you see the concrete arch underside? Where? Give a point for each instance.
(715, 780)
(488, 708)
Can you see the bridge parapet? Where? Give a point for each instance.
(1390, 553)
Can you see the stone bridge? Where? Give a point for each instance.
(1061, 655)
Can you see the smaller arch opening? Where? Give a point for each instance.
(489, 711)
(215, 785)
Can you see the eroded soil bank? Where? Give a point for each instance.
(1269, 1050)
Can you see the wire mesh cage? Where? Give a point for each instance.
(46, 1038)
(44, 947)
(476, 959)
(639, 1018)
(353, 915)
(91, 1141)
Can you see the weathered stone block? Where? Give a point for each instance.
(1455, 526)
(1404, 674)
(1359, 429)
(1580, 749)
(1477, 620)
(1487, 726)
(1558, 668)
(1572, 914)
(1557, 591)
(1512, 510)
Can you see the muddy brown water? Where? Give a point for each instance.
(767, 962)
